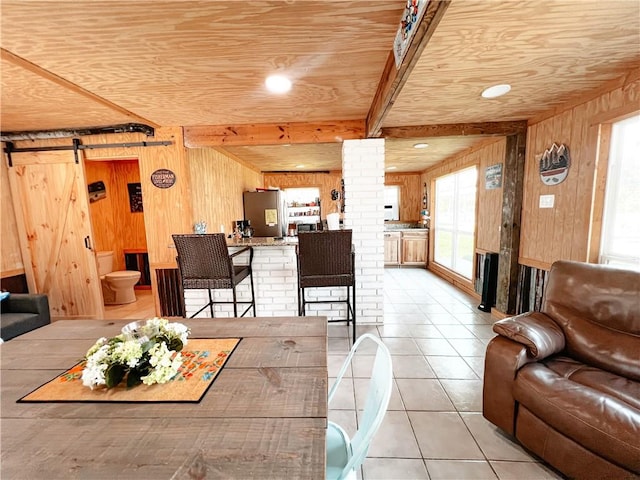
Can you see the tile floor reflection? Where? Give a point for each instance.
(434, 427)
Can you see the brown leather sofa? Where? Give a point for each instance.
(565, 381)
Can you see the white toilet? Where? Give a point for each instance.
(117, 287)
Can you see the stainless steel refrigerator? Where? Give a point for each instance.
(266, 212)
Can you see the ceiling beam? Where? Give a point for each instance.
(52, 77)
(393, 79)
(273, 133)
(456, 129)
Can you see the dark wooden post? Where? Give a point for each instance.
(513, 183)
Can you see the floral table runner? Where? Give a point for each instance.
(203, 358)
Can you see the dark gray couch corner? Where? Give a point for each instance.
(23, 312)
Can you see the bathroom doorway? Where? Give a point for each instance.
(116, 207)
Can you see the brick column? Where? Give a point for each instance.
(363, 174)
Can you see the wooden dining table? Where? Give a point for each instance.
(265, 415)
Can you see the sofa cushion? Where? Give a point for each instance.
(598, 309)
(14, 324)
(597, 409)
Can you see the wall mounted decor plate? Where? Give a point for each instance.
(554, 164)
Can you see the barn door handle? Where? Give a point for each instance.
(87, 242)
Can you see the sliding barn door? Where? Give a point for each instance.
(52, 210)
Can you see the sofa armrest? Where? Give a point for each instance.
(28, 303)
(502, 361)
(536, 331)
(522, 339)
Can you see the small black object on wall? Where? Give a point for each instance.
(97, 191)
(490, 282)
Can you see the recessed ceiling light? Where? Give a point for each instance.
(299, 166)
(421, 145)
(278, 84)
(496, 91)
(391, 168)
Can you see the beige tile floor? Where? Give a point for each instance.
(434, 427)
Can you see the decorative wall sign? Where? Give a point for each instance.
(493, 177)
(413, 11)
(163, 178)
(135, 197)
(554, 164)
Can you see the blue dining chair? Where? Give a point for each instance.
(345, 455)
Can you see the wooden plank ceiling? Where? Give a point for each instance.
(200, 63)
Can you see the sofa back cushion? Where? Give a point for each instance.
(598, 309)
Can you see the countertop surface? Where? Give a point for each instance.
(262, 242)
(417, 230)
(401, 226)
(291, 241)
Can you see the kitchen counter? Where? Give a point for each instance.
(262, 242)
(396, 227)
(275, 275)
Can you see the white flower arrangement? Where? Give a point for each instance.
(146, 353)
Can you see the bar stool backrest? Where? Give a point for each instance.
(325, 253)
(204, 260)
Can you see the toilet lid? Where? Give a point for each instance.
(123, 273)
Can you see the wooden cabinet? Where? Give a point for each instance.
(414, 248)
(391, 248)
(408, 247)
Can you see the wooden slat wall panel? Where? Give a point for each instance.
(410, 194)
(102, 211)
(166, 210)
(217, 183)
(489, 208)
(10, 256)
(563, 232)
(170, 292)
(115, 227)
(489, 211)
(132, 229)
(325, 181)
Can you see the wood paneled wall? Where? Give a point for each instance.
(489, 209)
(563, 232)
(410, 189)
(489, 206)
(217, 183)
(411, 192)
(115, 227)
(166, 210)
(10, 256)
(325, 181)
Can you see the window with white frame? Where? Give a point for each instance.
(620, 239)
(455, 220)
(391, 202)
